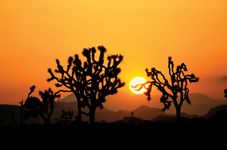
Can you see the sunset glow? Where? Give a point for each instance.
(136, 81)
(34, 33)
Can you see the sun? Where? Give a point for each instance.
(135, 81)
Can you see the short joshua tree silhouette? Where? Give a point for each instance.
(66, 118)
(225, 92)
(90, 81)
(34, 107)
(175, 90)
(130, 119)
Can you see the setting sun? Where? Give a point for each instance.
(135, 81)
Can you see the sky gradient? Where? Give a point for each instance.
(34, 33)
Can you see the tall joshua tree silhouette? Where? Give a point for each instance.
(90, 81)
(175, 91)
(34, 107)
(225, 92)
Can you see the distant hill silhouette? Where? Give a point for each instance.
(143, 112)
(68, 98)
(200, 103)
(172, 118)
(147, 113)
(217, 114)
(206, 107)
(9, 115)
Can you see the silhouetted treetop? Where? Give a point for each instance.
(174, 90)
(90, 81)
(34, 107)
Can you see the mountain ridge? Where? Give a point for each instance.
(200, 103)
(10, 114)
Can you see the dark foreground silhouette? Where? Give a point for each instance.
(215, 118)
(197, 131)
(128, 132)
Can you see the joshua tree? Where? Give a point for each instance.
(90, 81)
(174, 90)
(34, 107)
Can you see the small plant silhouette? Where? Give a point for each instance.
(34, 107)
(131, 119)
(90, 81)
(66, 118)
(175, 91)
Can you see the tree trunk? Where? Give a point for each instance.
(178, 108)
(79, 112)
(178, 113)
(22, 118)
(45, 119)
(48, 118)
(92, 115)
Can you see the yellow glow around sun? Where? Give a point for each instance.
(136, 81)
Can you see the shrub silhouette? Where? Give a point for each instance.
(34, 107)
(131, 119)
(90, 81)
(225, 92)
(65, 118)
(176, 90)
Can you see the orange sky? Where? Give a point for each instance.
(34, 33)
